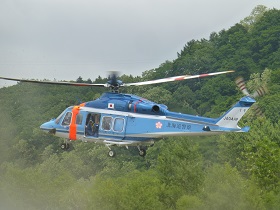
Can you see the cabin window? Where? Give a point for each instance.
(118, 124)
(79, 119)
(107, 123)
(67, 119)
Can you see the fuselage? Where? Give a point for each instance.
(125, 119)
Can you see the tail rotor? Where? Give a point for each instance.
(261, 91)
(241, 84)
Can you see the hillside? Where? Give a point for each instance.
(233, 171)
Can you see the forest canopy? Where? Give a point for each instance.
(231, 171)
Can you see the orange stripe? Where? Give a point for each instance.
(73, 126)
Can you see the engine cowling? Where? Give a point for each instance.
(147, 108)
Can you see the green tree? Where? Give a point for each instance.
(189, 202)
(158, 95)
(226, 189)
(179, 166)
(254, 17)
(135, 190)
(255, 154)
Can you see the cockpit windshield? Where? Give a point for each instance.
(57, 120)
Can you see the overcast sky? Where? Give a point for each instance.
(65, 39)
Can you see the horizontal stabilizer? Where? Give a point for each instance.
(245, 129)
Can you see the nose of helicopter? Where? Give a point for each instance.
(48, 127)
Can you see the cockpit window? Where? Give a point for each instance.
(79, 119)
(57, 120)
(67, 119)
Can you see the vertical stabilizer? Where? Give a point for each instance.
(232, 116)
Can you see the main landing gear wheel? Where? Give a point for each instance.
(142, 152)
(64, 146)
(111, 153)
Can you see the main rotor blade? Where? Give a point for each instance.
(54, 83)
(176, 78)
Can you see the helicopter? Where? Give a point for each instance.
(119, 119)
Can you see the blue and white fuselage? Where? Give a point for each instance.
(135, 121)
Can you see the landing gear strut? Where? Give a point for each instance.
(111, 152)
